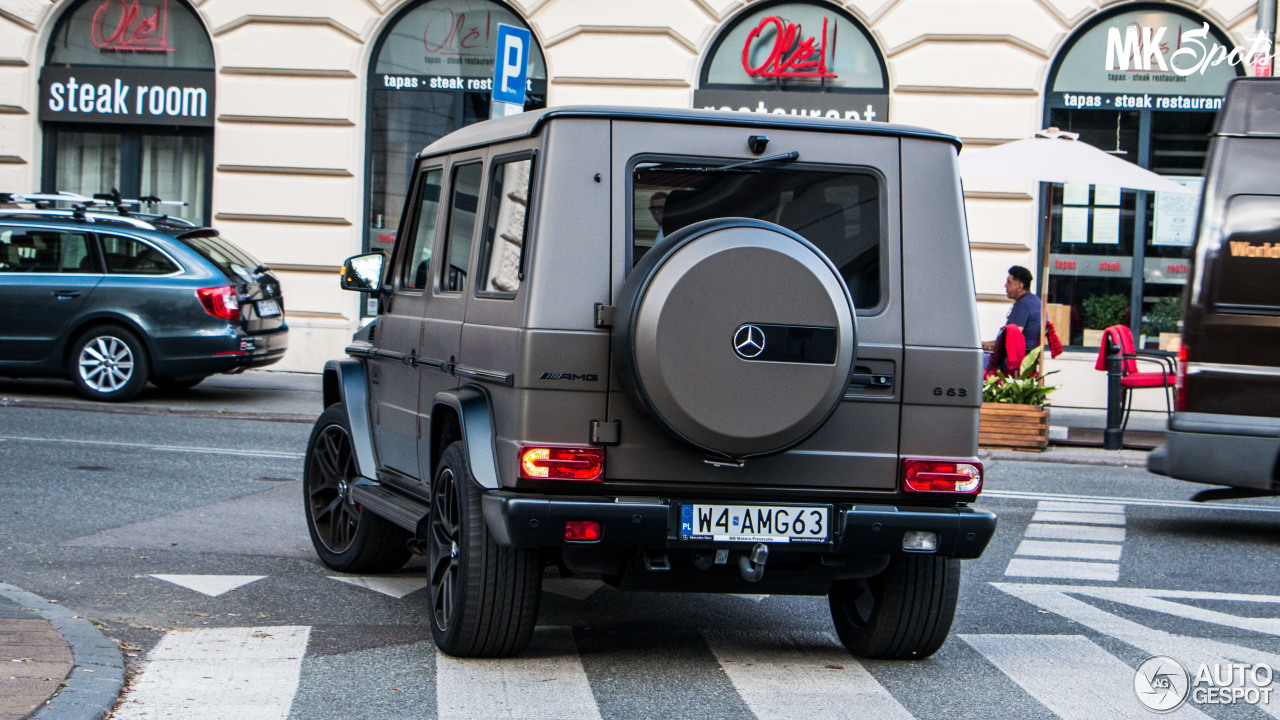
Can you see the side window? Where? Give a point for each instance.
(1248, 261)
(44, 251)
(417, 257)
(500, 269)
(127, 256)
(462, 222)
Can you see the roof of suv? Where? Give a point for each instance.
(528, 123)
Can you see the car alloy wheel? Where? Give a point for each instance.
(106, 364)
(443, 561)
(332, 463)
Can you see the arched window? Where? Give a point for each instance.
(431, 74)
(1134, 82)
(798, 58)
(127, 102)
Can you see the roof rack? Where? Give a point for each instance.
(79, 214)
(82, 207)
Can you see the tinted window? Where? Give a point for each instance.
(127, 256)
(500, 269)
(226, 256)
(1248, 263)
(838, 211)
(44, 251)
(417, 256)
(462, 222)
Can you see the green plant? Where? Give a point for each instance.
(1027, 388)
(1164, 316)
(1103, 311)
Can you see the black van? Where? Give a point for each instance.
(1226, 430)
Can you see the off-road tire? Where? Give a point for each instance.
(108, 363)
(347, 537)
(484, 597)
(903, 613)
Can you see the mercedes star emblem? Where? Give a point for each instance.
(748, 342)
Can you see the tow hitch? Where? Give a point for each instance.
(751, 564)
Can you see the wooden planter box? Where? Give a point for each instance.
(1016, 427)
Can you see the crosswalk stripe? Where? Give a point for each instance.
(810, 675)
(1078, 517)
(237, 673)
(1063, 506)
(1065, 549)
(1075, 532)
(547, 682)
(1068, 569)
(1069, 674)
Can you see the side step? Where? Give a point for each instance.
(395, 507)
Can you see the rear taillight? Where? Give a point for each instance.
(941, 476)
(1180, 390)
(220, 302)
(582, 531)
(561, 463)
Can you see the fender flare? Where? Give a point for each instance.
(346, 381)
(475, 419)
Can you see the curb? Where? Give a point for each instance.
(153, 410)
(97, 675)
(1073, 456)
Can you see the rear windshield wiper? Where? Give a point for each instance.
(744, 166)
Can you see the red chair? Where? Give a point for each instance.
(1119, 337)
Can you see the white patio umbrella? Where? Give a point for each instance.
(1052, 155)
(1059, 157)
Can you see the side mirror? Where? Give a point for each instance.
(363, 273)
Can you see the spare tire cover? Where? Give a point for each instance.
(737, 336)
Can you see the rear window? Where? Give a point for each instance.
(1248, 264)
(839, 211)
(228, 258)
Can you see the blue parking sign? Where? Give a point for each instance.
(511, 64)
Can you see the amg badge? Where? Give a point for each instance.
(589, 377)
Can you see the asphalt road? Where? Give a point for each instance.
(183, 538)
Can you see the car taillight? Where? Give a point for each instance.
(1180, 389)
(582, 531)
(943, 476)
(561, 463)
(220, 302)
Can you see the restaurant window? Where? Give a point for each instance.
(431, 74)
(1117, 256)
(127, 103)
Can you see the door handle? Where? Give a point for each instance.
(860, 381)
(66, 294)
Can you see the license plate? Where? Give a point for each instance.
(268, 308)
(756, 523)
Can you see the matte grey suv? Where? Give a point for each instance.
(675, 350)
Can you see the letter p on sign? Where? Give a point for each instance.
(511, 65)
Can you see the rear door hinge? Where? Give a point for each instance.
(604, 315)
(606, 433)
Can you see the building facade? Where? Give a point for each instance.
(290, 125)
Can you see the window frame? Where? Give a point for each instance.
(874, 173)
(484, 254)
(399, 259)
(446, 239)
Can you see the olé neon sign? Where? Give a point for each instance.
(790, 57)
(128, 29)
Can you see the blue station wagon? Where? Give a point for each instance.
(113, 300)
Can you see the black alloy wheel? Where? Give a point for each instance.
(484, 596)
(345, 536)
(442, 553)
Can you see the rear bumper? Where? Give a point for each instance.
(536, 521)
(233, 351)
(1232, 450)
